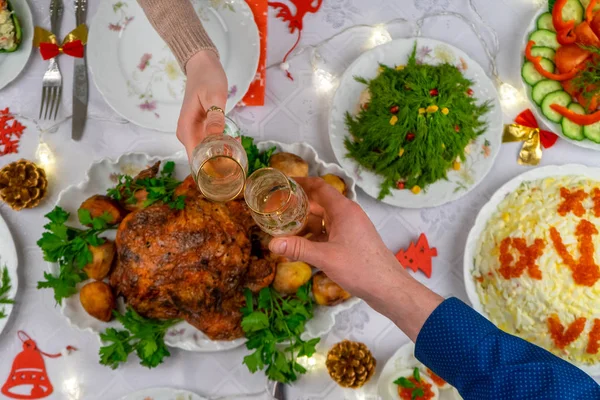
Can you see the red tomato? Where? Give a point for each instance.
(570, 57)
(569, 88)
(595, 24)
(585, 35)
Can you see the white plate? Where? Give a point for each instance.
(101, 176)
(8, 258)
(479, 161)
(138, 75)
(11, 64)
(554, 127)
(490, 208)
(162, 394)
(405, 359)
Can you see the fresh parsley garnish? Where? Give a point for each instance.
(159, 188)
(273, 326)
(5, 287)
(256, 158)
(417, 392)
(143, 335)
(68, 247)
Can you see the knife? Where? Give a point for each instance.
(80, 81)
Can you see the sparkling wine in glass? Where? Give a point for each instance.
(220, 164)
(279, 205)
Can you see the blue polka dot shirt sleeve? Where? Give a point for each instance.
(483, 362)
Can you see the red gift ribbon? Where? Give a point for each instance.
(526, 118)
(51, 50)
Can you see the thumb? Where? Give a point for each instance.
(298, 249)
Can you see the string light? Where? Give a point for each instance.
(324, 80)
(509, 95)
(379, 36)
(312, 363)
(44, 155)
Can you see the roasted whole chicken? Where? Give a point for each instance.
(193, 263)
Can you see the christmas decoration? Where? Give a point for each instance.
(10, 134)
(526, 130)
(29, 372)
(73, 44)
(418, 257)
(350, 364)
(296, 21)
(22, 184)
(255, 96)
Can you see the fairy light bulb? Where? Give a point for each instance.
(509, 95)
(379, 36)
(44, 155)
(311, 363)
(324, 80)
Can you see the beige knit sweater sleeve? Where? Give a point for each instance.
(177, 23)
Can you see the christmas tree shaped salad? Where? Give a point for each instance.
(414, 123)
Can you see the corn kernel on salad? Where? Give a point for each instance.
(537, 270)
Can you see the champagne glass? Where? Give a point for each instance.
(220, 164)
(279, 205)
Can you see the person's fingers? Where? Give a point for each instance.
(215, 120)
(190, 126)
(298, 249)
(320, 192)
(314, 227)
(317, 209)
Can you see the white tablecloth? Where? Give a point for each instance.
(294, 111)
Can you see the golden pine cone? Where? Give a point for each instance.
(350, 364)
(22, 184)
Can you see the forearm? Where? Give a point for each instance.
(179, 26)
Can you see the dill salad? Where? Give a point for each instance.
(414, 124)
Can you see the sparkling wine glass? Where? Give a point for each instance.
(278, 204)
(220, 164)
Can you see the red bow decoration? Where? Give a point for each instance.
(73, 44)
(303, 7)
(526, 118)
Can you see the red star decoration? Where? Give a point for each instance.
(10, 134)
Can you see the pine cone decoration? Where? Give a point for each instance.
(22, 184)
(350, 364)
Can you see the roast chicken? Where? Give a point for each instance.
(194, 263)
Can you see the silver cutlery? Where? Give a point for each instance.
(80, 81)
(52, 80)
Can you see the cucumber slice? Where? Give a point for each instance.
(561, 98)
(545, 22)
(546, 52)
(573, 10)
(592, 132)
(531, 76)
(570, 128)
(544, 88)
(546, 38)
(585, 3)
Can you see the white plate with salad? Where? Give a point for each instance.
(8, 273)
(565, 93)
(16, 34)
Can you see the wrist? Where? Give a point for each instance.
(200, 59)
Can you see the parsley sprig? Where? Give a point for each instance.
(143, 335)
(68, 247)
(256, 158)
(160, 188)
(273, 326)
(5, 287)
(417, 392)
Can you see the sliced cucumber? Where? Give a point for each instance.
(546, 52)
(585, 3)
(545, 22)
(546, 38)
(592, 132)
(570, 128)
(561, 98)
(531, 76)
(573, 10)
(544, 88)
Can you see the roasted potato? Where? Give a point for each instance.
(140, 197)
(104, 254)
(327, 292)
(337, 182)
(98, 300)
(290, 164)
(98, 205)
(290, 276)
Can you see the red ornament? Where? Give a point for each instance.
(526, 118)
(303, 7)
(418, 257)
(400, 185)
(433, 92)
(29, 372)
(9, 134)
(394, 109)
(410, 136)
(470, 92)
(456, 128)
(365, 106)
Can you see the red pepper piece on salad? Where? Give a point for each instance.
(579, 119)
(539, 68)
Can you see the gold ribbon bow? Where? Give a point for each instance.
(531, 151)
(72, 44)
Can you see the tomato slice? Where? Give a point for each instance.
(570, 57)
(595, 24)
(586, 36)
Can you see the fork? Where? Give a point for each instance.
(52, 80)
